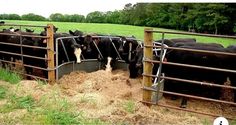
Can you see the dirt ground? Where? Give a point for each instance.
(114, 98)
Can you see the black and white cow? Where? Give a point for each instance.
(108, 47)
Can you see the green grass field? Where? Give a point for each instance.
(115, 29)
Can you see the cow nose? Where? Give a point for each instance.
(138, 65)
(89, 50)
(121, 50)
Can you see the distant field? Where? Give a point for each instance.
(115, 29)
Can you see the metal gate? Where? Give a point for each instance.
(156, 89)
(49, 48)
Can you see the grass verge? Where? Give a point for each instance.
(9, 76)
(116, 29)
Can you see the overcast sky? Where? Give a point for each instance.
(47, 7)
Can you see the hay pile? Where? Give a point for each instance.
(114, 98)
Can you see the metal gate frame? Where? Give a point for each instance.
(148, 89)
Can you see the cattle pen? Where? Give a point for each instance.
(152, 92)
(45, 60)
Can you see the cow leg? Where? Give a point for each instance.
(183, 102)
(133, 70)
(29, 71)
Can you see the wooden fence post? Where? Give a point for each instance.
(147, 67)
(50, 53)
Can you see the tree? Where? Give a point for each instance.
(126, 14)
(57, 17)
(10, 16)
(33, 17)
(215, 15)
(95, 17)
(113, 17)
(77, 18)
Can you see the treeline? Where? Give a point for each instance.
(53, 17)
(216, 18)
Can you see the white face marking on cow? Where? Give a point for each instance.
(124, 42)
(130, 49)
(45, 41)
(12, 30)
(78, 54)
(108, 66)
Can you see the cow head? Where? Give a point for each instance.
(122, 41)
(130, 46)
(77, 52)
(136, 63)
(88, 42)
(44, 33)
(138, 58)
(29, 30)
(54, 29)
(76, 33)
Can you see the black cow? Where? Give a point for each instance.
(231, 65)
(216, 45)
(195, 58)
(172, 42)
(130, 44)
(108, 47)
(29, 30)
(135, 64)
(102, 47)
(73, 49)
(76, 33)
(17, 50)
(2, 22)
(88, 44)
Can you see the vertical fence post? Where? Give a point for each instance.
(50, 53)
(147, 67)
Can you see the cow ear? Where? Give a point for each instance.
(71, 32)
(16, 30)
(55, 29)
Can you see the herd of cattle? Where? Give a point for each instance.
(108, 49)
